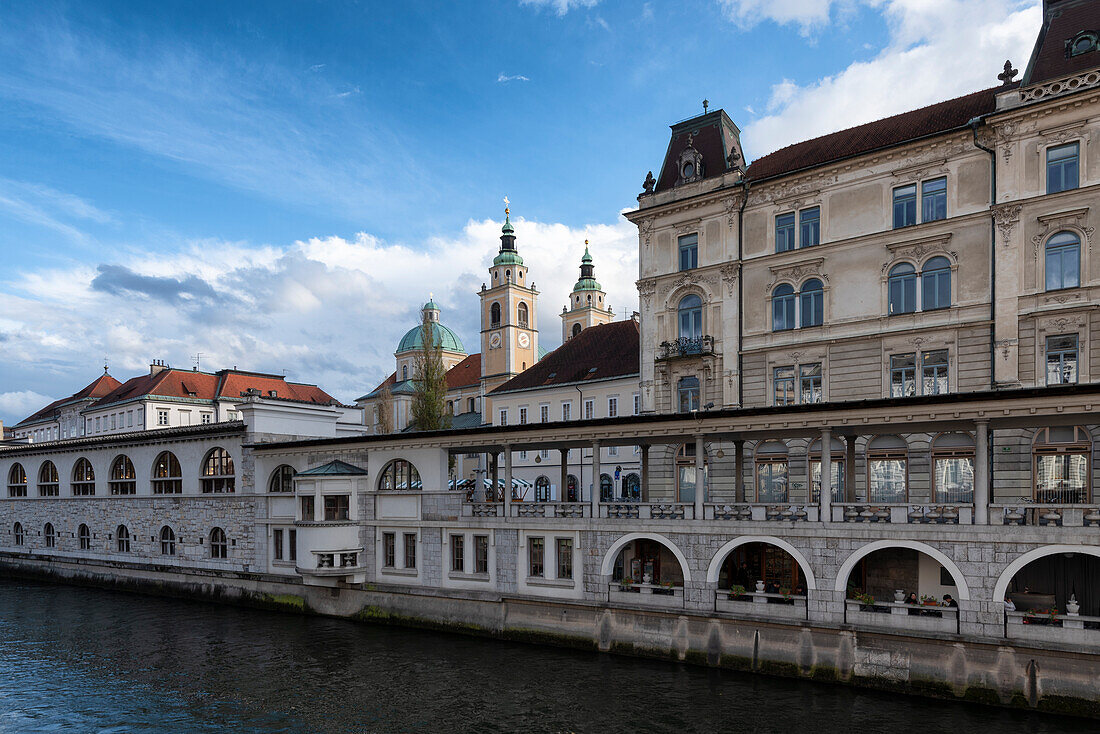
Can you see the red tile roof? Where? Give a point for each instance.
(1064, 19)
(99, 387)
(597, 353)
(225, 384)
(466, 373)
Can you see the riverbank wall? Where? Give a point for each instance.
(1036, 676)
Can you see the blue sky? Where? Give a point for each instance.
(279, 185)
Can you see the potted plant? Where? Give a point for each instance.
(736, 591)
(665, 589)
(929, 601)
(627, 584)
(866, 601)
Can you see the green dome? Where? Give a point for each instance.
(441, 337)
(430, 306)
(508, 257)
(587, 281)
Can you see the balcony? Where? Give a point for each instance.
(904, 513)
(648, 510)
(898, 616)
(1043, 626)
(686, 347)
(761, 512)
(649, 595)
(760, 604)
(1027, 513)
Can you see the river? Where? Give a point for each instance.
(91, 660)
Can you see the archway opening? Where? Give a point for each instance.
(762, 562)
(1050, 582)
(647, 561)
(918, 576)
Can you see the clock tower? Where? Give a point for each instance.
(509, 333)
(587, 303)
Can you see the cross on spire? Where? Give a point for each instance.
(705, 104)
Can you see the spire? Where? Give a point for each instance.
(508, 254)
(430, 310)
(588, 273)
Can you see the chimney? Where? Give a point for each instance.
(636, 317)
(157, 366)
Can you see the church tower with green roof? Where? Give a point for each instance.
(587, 303)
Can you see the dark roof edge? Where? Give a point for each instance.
(129, 437)
(498, 391)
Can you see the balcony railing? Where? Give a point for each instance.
(686, 347)
(761, 512)
(1032, 514)
(899, 616)
(650, 595)
(648, 510)
(760, 604)
(551, 509)
(904, 513)
(1067, 629)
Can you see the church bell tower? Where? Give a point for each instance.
(587, 303)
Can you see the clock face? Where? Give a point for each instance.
(494, 341)
(524, 341)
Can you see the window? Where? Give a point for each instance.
(123, 479)
(521, 313)
(542, 489)
(903, 375)
(565, 558)
(783, 307)
(838, 475)
(282, 479)
(808, 389)
(809, 225)
(689, 251)
(887, 470)
(577, 327)
(167, 476)
(687, 479)
(544, 414)
(503, 418)
(84, 537)
(589, 410)
(97, 424)
(219, 546)
(308, 505)
(277, 544)
(632, 487)
(17, 481)
(49, 484)
(481, 554)
(688, 389)
(935, 284)
(458, 562)
(1063, 261)
(113, 425)
(783, 386)
(1062, 359)
(17, 534)
(1061, 465)
(523, 416)
(410, 550)
(389, 553)
(1083, 43)
(690, 313)
(902, 288)
(494, 315)
(83, 478)
(933, 370)
(612, 450)
(162, 418)
(933, 200)
(566, 408)
(953, 468)
(122, 539)
(404, 372)
(1062, 168)
(612, 407)
(205, 418)
(50, 535)
(167, 541)
(905, 206)
(637, 403)
(292, 544)
(217, 472)
(772, 472)
(536, 548)
(337, 507)
(809, 383)
(607, 488)
(471, 405)
(399, 475)
(784, 232)
(812, 303)
(571, 489)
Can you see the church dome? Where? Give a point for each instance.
(441, 337)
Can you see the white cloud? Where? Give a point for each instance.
(46, 207)
(805, 13)
(503, 78)
(937, 50)
(23, 403)
(561, 7)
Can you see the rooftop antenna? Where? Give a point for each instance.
(706, 103)
(197, 357)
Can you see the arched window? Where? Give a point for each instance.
(84, 535)
(632, 487)
(217, 472)
(123, 479)
(17, 534)
(49, 483)
(1063, 261)
(521, 312)
(887, 470)
(812, 303)
(167, 541)
(783, 307)
(167, 476)
(690, 313)
(122, 536)
(399, 475)
(838, 475)
(902, 289)
(282, 479)
(49, 535)
(494, 314)
(688, 389)
(607, 488)
(542, 489)
(935, 284)
(17, 481)
(1061, 465)
(219, 546)
(772, 472)
(404, 372)
(83, 478)
(687, 479)
(571, 492)
(576, 329)
(953, 468)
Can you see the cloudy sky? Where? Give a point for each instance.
(279, 185)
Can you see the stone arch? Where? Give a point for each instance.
(608, 564)
(719, 558)
(866, 550)
(672, 301)
(1016, 566)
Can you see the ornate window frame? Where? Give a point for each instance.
(1072, 322)
(1068, 220)
(1055, 137)
(917, 253)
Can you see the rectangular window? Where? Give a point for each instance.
(905, 206)
(933, 200)
(308, 505)
(903, 375)
(637, 404)
(1062, 359)
(277, 544)
(292, 544)
(589, 409)
(933, 366)
(565, 558)
(544, 453)
(784, 232)
(689, 251)
(566, 409)
(809, 383)
(535, 557)
(523, 456)
(783, 389)
(612, 450)
(206, 418)
(410, 550)
(162, 417)
(458, 559)
(544, 413)
(1062, 168)
(337, 507)
(503, 418)
(523, 416)
(113, 424)
(389, 552)
(809, 223)
(612, 407)
(129, 419)
(97, 424)
(481, 554)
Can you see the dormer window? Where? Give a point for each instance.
(1082, 43)
(688, 170)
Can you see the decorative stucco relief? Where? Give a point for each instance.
(1075, 218)
(795, 272)
(1006, 217)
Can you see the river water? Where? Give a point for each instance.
(89, 660)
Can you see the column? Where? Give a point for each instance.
(644, 489)
(494, 464)
(595, 499)
(981, 473)
(479, 483)
(825, 506)
(850, 469)
(700, 455)
(507, 481)
(739, 471)
(562, 488)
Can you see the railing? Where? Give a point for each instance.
(1026, 513)
(648, 510)
(1060, 86)
(1068, 629)
(686, 347)
(482, 509)
(551, 509)
(762, 511)
(760, 604)
(900, 616)
(904, 513)
(654, 595)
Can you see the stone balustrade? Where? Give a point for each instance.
(760, 604)
(1026, 513)
(649, 595)
(1067, 629)
(761, 512)
(900, 616)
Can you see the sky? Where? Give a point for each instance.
(279, 186)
